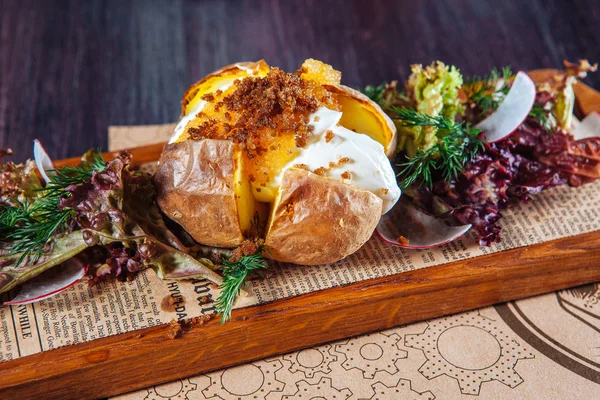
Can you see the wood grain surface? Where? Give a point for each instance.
(70, 69)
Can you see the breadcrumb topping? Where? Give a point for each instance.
(262, 113)
(328, 136)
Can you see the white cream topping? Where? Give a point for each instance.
(368, 167)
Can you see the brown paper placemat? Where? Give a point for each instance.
(546, 347)
(83, 313)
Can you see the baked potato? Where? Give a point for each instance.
(298, 158)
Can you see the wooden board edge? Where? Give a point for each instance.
(138, 359)
(141, 155)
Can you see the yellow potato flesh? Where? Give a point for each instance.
(358, 115)
(245, 201)
(362, 118)
(272, 162)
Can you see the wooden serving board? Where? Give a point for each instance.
(142, 358)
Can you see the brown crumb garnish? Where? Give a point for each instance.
(329, 135)
(402, 240)
(200, 320)
(300, 71)
(174, 329)
(316, 118)
(204, 299)
(289, 207)
(248, 247)
(302, 166)
(261, 114)
(343, 160)
(177, 328)
(321, 171)
(193, 131)
(384, 191)
(208, 97)
(332, 165)
(346, 175)
(302, 140)
(273, 105)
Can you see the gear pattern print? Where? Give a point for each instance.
(473, 355)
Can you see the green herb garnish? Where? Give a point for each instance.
(67, 176)
(28, 226)
(484, 92)
(375, 93)
(235, 275)
(457, 144)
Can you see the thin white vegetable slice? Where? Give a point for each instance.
(50, 282)
(512, 111)
(42, 160)
(588, 127)
(407, 227)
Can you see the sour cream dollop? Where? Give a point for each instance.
(347, 156)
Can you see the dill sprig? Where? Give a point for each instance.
(235, 275)
(67, 176)
(28, 226)
(484, 92)
(375, 93)
(456, 146)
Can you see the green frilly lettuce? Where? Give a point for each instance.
(431, 90)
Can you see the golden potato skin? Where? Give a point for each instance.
(318, 220)
(196, 188)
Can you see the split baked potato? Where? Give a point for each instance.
(296, 158)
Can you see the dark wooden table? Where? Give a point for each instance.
(69, 69)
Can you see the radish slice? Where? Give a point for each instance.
(588, 127)
(50, 282)
(42, 160)
(512, 111)
(407, 227)
(574, 123)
